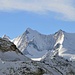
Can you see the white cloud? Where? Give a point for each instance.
(64, 7)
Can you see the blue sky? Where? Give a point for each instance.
(45, 16)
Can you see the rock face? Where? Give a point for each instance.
(6, 46)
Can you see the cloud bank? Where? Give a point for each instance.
(65, 8)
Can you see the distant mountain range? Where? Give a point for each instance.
(33, 53)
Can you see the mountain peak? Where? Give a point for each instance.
(60, 31)
(29, 29)
(6, 37)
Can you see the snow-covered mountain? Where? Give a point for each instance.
(52, 51)
(35, 45)
(13, 62)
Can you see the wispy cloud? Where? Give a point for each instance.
(65, 8)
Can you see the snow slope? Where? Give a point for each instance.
(21, 68)
(68, 49)
(65, 42)
(57, 65)
(35, 45)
